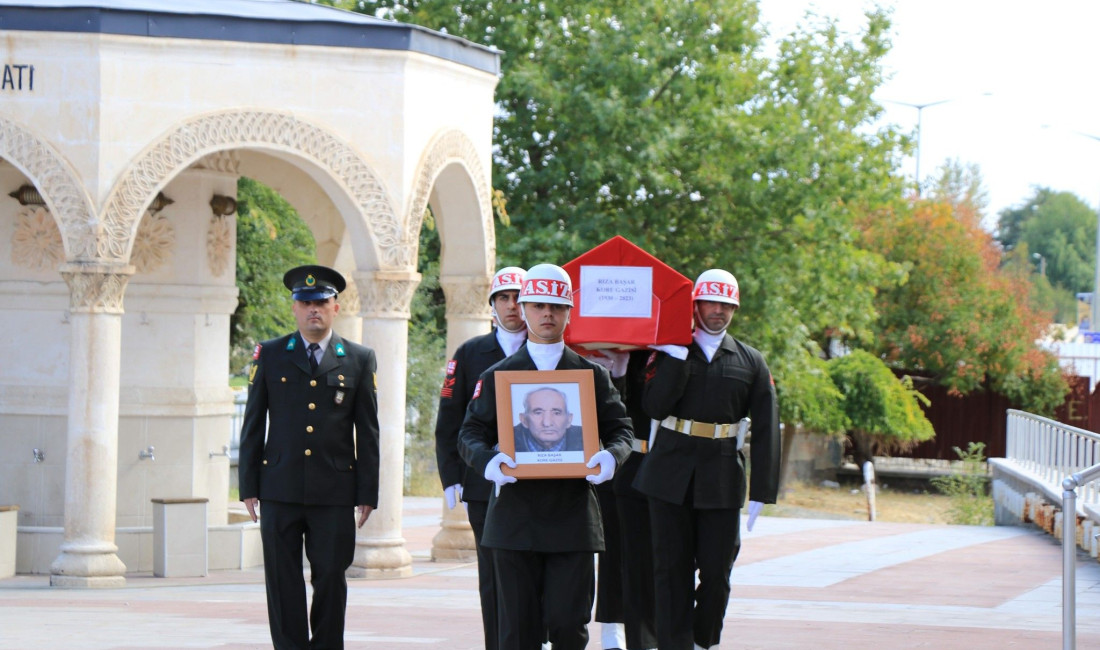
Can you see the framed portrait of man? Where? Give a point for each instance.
(547, 422)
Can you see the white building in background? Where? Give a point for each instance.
(124, 126)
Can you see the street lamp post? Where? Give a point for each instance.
(920, 110)
(1042, 263)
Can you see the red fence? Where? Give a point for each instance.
(980, 417)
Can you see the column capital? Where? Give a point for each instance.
(467, 296)
(386, 294)
(96, 287)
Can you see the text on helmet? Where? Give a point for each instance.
(716, 289)
(554, 288)
(507, 278)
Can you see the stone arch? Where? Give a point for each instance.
(69, 204)
(450, 148)
(207, 134)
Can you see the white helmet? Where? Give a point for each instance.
(718, 286)
(547, 283)
(509, 278)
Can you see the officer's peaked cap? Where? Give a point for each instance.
(313, 282)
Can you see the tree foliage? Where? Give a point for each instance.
(667, 123)
(882, 413)
(959, 315)
(1060, 227)
(271, 238)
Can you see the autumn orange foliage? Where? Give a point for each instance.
(959, 315)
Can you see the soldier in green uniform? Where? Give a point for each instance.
(314, 396)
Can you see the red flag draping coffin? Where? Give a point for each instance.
(625, 298)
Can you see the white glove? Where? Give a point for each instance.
(755, 507)
(453, 494)
(493, 473)
(613, 360)
(678, 351)
(607, 464)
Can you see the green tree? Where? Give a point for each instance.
(1060, 227)
(883, 414)
(667, 123)
(426, 357)
(271, 238)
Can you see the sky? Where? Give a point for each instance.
(1038, 62)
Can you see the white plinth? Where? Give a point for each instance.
(179, 538)
(9, 518)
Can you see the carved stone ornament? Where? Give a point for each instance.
(204, 135)
(227, 162)
(153, 243)
(349, 298)
(57, 182)
(467, 298)
(219, 244)
(386, 295)
(450, 147)
(36, 240)
(96, 287)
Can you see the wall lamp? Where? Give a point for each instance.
(160, 201)
(28, 195)
(223, 206)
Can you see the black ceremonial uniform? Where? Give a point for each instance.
(470, 360)
(319, 461)
(557, 520)
(633, 511)
(696, 485)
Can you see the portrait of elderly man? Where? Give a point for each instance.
(546, 423)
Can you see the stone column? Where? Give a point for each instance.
(467, 316)
(89, 557)
(385, 297)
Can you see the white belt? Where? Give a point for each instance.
(640, 446)
(700, 429)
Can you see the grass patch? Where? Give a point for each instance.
(845, 502)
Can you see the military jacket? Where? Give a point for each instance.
(543, 515)
(734, 384)
(470, 360)
(321, 426)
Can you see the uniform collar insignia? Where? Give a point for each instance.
(291, 343)
(339, 347)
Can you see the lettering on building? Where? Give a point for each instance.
(18, 77)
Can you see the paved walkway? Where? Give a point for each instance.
(799, 584)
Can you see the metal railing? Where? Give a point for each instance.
(1066, 456)
(1053, 451)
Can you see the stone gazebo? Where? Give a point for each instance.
(124, 126)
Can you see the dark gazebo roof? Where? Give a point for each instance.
(249, 21)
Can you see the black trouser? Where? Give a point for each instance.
(329, 533)
(637, 571)
(486, 583)
(609, 585)
(685, 539)
(543, 594)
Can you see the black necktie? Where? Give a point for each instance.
(312, 350)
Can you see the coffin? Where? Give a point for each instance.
(624, 298)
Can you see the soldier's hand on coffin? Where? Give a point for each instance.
(613, 360)
(678, 351)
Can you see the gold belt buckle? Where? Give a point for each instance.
(702, 429)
